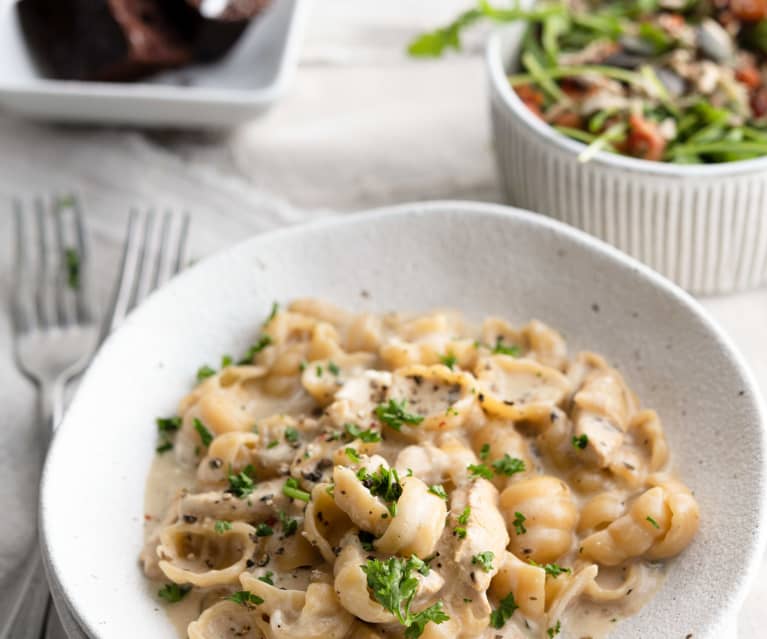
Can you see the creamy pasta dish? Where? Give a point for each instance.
(356, 476)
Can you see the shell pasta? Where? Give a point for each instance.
(403, 476)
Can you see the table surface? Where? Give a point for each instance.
(362, 126)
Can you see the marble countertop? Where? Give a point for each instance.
(362, 126)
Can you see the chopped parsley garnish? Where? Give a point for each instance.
(164, 447)
(553, 632)
(267, 578)
(508, 465)
(226, 360)
(553, 570)
(242, 484)
(260, 345)
(318, 371)
(393, 414)
(222, 526)
(369, 436)
(264, 530)
(463, 519)
(168, 424)
(72, 262)
(501, 349)
(581, 441)
(302, 365)
(383, 483)
(333, 368)
(519, 523)
(291, 435)
(173, 593)
(273, 444)
(366, 540)
(653, 522)
(292, 489)
(439, 491)
(204, 372)
(289, 526)
(484, 452)
(273, 314)
(352, 454)
(484, 559)
(503, 612)
(449, 360)
(394, 586)
(205, 435)
(480, 470)
(245, 598)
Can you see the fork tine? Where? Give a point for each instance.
(22, 314)
(43, 295)
(179, 259)
(148, 259)
(173, 245)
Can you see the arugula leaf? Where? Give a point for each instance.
(206, 437)
(394, 586)
(508, 465)
(503, 612)
(394, 414)
(173, 593)
(245, 598)
(242, 484)
(369, 436)
(434, 43)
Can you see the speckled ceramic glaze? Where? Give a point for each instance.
(479, 258)
(703, 226)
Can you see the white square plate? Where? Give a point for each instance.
(235, 89)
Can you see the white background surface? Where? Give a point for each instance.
(362, 126)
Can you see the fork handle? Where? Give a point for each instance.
(28, 611)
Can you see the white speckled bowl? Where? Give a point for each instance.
(481, 258)
(703, 226)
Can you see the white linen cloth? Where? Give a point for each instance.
(362, 126)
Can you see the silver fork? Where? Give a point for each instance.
(154, 250)
(55, 334)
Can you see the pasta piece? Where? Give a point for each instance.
(519, 389)
(418, 523)
(357, 399)
(325, 523)
(322, 378)
(497, 439)
(632, 580)
(365, 510)
(567, 590)
(525, 581)
(600, 511)
(287, 553)
(685, 519)
(364, 334)
(428, 340)
(498, 332)
(351, 584)
(545, 344)
(200, 555)
(228, 454)
(647, 428)
(541, 518)
(293, 614)
(436, 465)
(322, 311)
(225, 620)
(264, 502)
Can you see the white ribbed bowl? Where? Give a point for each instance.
(702, 226)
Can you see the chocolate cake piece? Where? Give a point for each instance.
(229, 10)
(103, 39)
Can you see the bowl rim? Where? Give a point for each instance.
(501, 88)
(736, 595)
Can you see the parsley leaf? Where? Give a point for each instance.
(289, 526)
(484, 452)
(383, 483)
(245, 598)
(222, 526)
(501, 349)
(333, 368)
(393, 414)
(264, 530)
(226, 360)
(204, 372)
(267, 578)
(292, 489)
(553, 570)
(260, 345)
(508, 465)
(484, 559)
(553, 632)
(449, 360)
(205, 435)
(519, 523)
(366, 540)
(503, 612)
(168, 424)
(369, 436)
(273, 314)
(653, 522)
(480, 470)
(164, 447)
(352, 455)
(242, 484)
(463, 519)
(439, 491)
(173, 593)
(394, 586)
(291, 435)
(580, 442)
